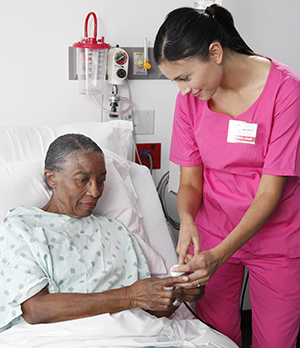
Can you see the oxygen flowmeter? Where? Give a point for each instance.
(117, 68)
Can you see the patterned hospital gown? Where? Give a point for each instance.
(83, 255)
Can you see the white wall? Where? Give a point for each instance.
(35, 36)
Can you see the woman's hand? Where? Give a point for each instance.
(188, 235)
(200, 268)
(156, 294)
(191, 294)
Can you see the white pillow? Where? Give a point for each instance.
(113, 135)
(22, 184)
(20, 143)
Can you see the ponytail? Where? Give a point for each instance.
(188, 32)
(225, 20)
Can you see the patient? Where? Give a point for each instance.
(62, 262)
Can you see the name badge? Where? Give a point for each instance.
(242, 132)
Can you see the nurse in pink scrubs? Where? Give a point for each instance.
(236, 136)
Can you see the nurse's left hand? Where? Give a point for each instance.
(201, 268)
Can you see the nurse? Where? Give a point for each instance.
(236, 136)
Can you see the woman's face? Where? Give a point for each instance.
(193, 76)
(78, 187)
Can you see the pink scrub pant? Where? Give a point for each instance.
(274, 285)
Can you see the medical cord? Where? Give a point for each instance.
(197, 317)
(161, 190)
(244, 290)
(147, 154)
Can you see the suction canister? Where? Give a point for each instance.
(91, 55)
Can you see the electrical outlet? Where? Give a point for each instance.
(154, 149)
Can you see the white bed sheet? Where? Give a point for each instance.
(127, 329)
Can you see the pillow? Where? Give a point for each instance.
(22, 184)
(27, 142)
(119, 200)
(113, 135)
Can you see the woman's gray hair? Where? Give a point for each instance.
(65, 145)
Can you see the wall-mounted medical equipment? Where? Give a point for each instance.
(117, 72)
(117, 67)
(202, 4)
(92, 57)
(146, 64)
(91, 61)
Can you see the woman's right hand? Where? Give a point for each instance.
(188, 235)
(150, 293)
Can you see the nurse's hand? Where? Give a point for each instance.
(192, 294)
(201, 268)
(188, 235)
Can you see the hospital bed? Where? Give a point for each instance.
(130, 196)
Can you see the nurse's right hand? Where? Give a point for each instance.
(188, 236)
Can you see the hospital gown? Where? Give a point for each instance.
(82, 255)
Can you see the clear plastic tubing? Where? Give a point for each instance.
(114, 112)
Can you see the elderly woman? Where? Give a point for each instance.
(62, 263)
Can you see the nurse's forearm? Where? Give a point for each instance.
(188, 202)
(264, 203)
(189, 195)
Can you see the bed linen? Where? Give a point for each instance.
(127, 329)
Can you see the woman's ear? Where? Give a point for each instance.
(51, 178)
(216, 52)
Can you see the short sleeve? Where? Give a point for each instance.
(283, 153)
(20, 275)
(184, 148)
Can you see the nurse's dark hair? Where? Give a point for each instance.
(65, 145)
(188, 33)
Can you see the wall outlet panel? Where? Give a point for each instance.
(155, 151)
(143, 121)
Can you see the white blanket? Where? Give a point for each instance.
(127, 329)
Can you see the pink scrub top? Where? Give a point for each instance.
(232, 171)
